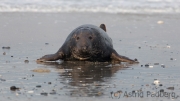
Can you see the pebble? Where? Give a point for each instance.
(13, 88)
(52, 92)
(135, 59)
(46, 43)
(26, 61)
(38, 86)
(6, 47)
(171, 59)
(161, 90)
(170, 88)
(160, 22)
(156, 82)
(30, 92)
(49, 82)
(146, 65)
(4, 53)
(162, 65)
(44, 93)
(160, 85)
(150, 66)
(168, 46)
(156, 63)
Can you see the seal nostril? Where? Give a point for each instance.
(90, 37)
(77, 38)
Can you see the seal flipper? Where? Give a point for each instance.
(116, 57)
(51, 57)
(103, 26)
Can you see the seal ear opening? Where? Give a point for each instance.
(103, 26)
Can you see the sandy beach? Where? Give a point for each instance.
(151, 38)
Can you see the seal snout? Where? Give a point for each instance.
(84, 48)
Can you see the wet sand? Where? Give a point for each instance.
(152, 39)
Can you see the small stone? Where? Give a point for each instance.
(38, 86)
(26, 61)
(161, 90)
(162, 65)
(146, 65)
(4, 53)
(49, 82)
(141, 65)
(11, 56)
(160, 22)
(6, 47)
(160, 85)
(150, 66)
(171, 58)
(13, 88)
(156, 82)
(46, 43)
(170, 88)
(44, 93)
(52, 92)
(135, 59)
(156, 63)
(168, 46)
(30, 92)
(139, 47)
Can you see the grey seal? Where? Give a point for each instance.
(87, 43)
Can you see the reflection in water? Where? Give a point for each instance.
(86, 78)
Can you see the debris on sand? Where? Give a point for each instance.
(52, 92)
(150, 66)
(168, 46)
(14, 88)
(160, 22)
(156, 82)
(170, 88)
(44, 93)
(41, 70)
(26, 61)
(146, 65)
(38, 86)
(6, 47)
(156, 63)
(4, 53)
(162, 65)
(30, 92)
(46, 43)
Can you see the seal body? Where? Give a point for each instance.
(87, 43)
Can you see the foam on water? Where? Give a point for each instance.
(108, 6)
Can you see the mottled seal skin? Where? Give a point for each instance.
(87, 43)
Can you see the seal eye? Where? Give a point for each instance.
(90, 37)
(77, 38)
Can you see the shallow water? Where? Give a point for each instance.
(135, 36)
(108, 6)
